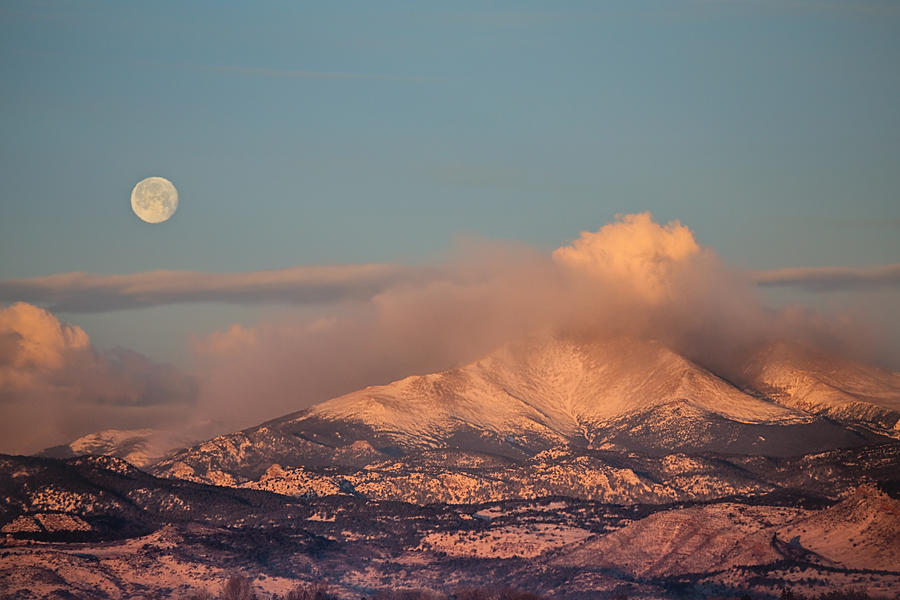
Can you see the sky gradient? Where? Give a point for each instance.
(301, 134)
(311, 134)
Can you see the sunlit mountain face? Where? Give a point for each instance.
(623, 417)
(616, 396)
(643, 427)
(450, 301)
(558, 465)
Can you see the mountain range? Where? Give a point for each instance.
(558, 395)
(571, 467)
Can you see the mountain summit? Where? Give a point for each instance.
(555, 389)
(621, 395)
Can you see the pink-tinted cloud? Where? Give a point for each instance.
(86, 292)
(831, 278)
(633, 249)
(635, 252)
(633, 277)
(54, 386)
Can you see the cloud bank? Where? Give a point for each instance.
(376, 323)
(623, 250)
(322, 284)
(816, 279)
(633, 277)
(54, 386)
(86, 292)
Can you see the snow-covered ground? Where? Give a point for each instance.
(559, 548)
(551, 386)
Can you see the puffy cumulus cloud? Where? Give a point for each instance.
(633, 277)
(372, 325)
(55, 386)
(34, 341)
(634, 252)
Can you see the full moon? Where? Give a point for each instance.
(154, 199)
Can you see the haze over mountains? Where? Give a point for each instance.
(554, 415)
(593, 300)
(618, 394)
(633, 279)
(140, 447)
(566, 466)
(570, 391)
(624, 415)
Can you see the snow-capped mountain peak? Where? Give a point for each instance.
(556, 386)
(826, 385)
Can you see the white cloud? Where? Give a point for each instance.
(377, 323)
(54, 386)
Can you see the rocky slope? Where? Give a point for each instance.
(568, 469)
(96, 528)
(691, 540)
(859, 532)
(862, 531)
(453, 477)
(623, 396)
(102, 497)
(816, 383)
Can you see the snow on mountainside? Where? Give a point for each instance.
(562, 467)
(809, 380)
(141, 447)
(862, 531)
(556, 387)
(622, 393)
(457, 477)
(620, 396)
(526, 397)
(97, 528)
(692, 540)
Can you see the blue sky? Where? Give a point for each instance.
(318, 133)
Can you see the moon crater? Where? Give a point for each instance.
(154, 199)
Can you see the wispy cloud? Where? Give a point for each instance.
(633, 277)
(323, 284)
(831, 278)
(87, 292)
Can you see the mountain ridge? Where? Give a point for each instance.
(541, 392)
